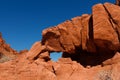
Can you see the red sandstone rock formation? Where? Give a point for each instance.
(88, 36)
(102, 26)
(6, 52)
(90, 46)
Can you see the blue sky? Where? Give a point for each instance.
(22, 21)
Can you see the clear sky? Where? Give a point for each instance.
(22, 21)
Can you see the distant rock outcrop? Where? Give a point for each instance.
(6, 52)
(90, 46)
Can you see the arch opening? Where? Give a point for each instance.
(55, 56)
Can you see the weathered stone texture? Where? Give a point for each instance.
(90, 46)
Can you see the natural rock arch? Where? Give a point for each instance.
(87, 39)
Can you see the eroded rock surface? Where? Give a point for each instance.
(6, 52)
(63, 69)
(90, 46)
(88, 36)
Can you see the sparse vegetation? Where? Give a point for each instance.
(4, 58)
(104, 75)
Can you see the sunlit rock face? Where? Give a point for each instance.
(90, 46)
(95, 37)
(6, 52)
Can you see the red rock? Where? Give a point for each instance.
(112, 10)
(103, 29)
(65, 60)
(23, 51)
(90, 46)
(76, 30)
(34, 51)
(85, 31)
(52, 35)
(64, 37)
(45, 56)
(6, 52)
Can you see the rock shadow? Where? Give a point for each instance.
(104, 50)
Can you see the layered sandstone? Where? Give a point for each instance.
(6, 52)
(90, 46)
